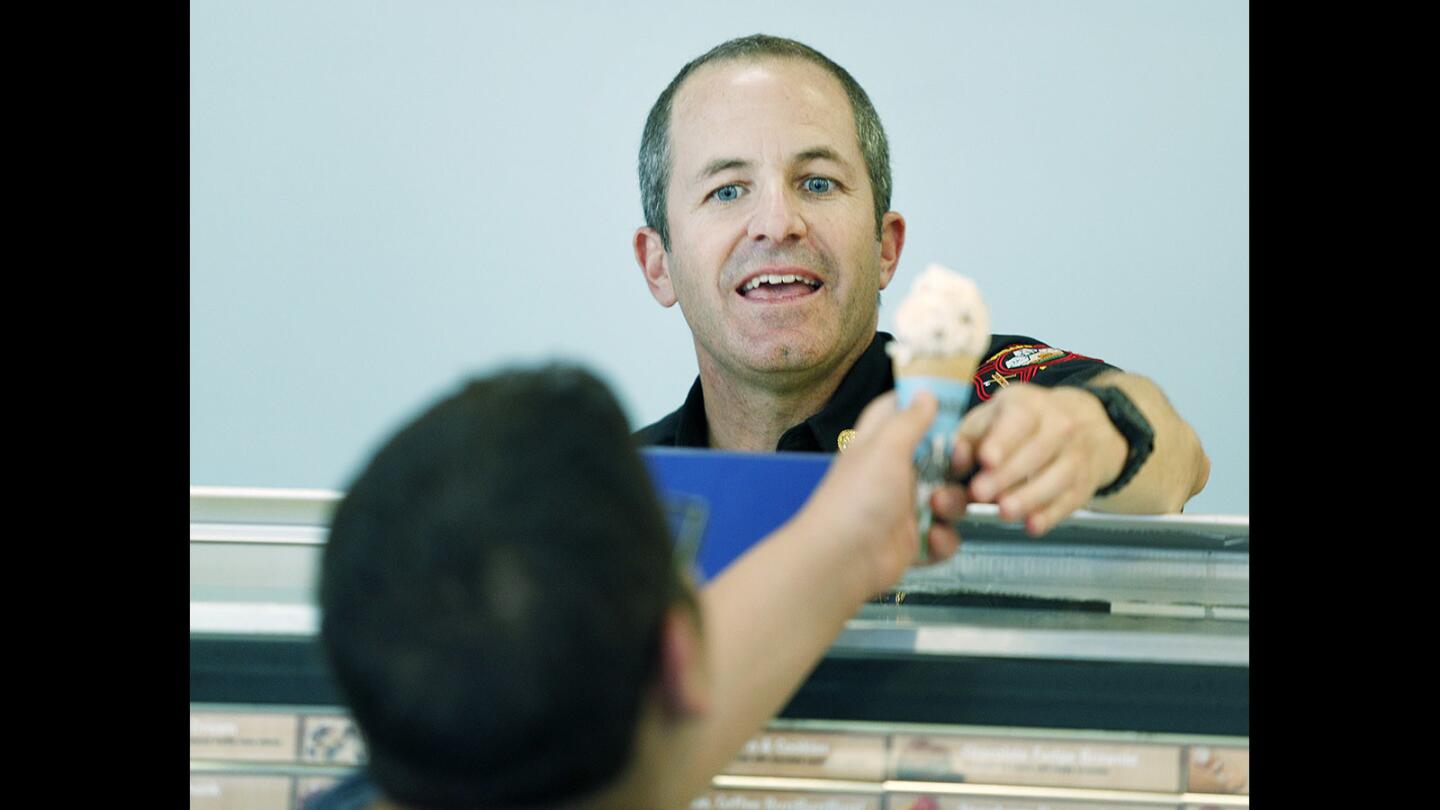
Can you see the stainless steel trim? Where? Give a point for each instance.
(264, 619)
(1060, 794)
(262, 505)
(211, 767)
(794, 784)
(1229, 526)
(223, 504)
(1093, 646)
(1043, 635)
(1067, 635)
(1111, 736)
(1046, 569)
(258, 534)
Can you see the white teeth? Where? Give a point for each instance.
(772, 278)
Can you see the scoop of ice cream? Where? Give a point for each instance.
(942, 314)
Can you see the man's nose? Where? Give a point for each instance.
(777, 217)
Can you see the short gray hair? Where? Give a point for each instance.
(655, 163)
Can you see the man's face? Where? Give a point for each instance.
(767, 180)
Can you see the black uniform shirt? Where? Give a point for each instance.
(1010, 359)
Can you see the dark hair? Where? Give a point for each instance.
(492, 592)
(655, 160)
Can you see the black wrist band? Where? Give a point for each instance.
(1133, 425)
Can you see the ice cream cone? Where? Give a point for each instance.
(941, 331)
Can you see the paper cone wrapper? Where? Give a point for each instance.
(949, 377)
(958, 367)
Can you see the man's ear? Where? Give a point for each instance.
(892, 241)
(684, 667)
(655, 264)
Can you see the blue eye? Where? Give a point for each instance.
(819, 185)
(726, 193)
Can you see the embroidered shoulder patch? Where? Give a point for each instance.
(1018, 362)
(1029, 356)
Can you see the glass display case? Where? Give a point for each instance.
(1104, 665)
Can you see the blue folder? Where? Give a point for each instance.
(721, 503)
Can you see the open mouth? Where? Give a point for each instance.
(778, 286)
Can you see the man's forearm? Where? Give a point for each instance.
(1177, 468)
(769, 618)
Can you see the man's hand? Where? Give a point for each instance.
(868, 496)
(1042, 453)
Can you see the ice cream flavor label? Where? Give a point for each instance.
(817, 755)
(331, 738)
(1218, 770)
(216, 792)
(254, 737)
(1038, 762)
(783, 800)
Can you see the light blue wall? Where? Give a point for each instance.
(386, 196)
